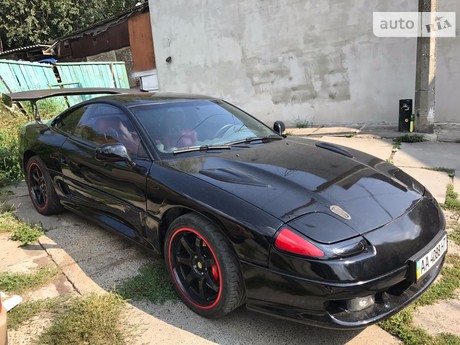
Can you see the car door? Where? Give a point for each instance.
(112, 193)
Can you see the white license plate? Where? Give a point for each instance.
(427, 261)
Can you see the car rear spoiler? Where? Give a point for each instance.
(35, 95)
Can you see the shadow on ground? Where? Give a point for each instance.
(107, 259)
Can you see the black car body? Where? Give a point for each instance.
(290, 227)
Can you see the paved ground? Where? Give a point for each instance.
(93, 259)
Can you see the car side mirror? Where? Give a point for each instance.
(114, 153)
(279, 127)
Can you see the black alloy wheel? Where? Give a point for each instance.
(203, 267)
(41, 190)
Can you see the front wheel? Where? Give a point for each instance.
(203, 267)
(41, 189)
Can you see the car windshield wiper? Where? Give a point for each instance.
(202, 148)
(251, 139)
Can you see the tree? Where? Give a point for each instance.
(28, 22)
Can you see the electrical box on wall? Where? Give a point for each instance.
(405, 114)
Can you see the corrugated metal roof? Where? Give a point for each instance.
(25, 49)
(103, 25)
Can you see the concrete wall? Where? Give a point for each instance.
(292, 60)
(448, 70)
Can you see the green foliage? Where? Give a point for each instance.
(448, 171)
(8, 222)
(27, 234)
(47, 107)
(446, 287)
(10, 170)
(414, 138)
(19, 282)
(93, 319)
(400, 325)
(27, 22)
(452, 203)
(454, 235)
(299, 123)
(152, 284)
(27, 310)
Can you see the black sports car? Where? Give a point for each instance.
(290, 227)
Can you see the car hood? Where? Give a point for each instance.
(293, 177)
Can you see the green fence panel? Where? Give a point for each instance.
(22, 76)
(18, 76)
(93, 74)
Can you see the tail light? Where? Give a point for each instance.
(290, 242)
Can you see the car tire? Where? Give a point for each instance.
(41, 190)
(203, 266)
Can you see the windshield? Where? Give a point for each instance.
(181, 124)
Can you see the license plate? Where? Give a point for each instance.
(427, 261)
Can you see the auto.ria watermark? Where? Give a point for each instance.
(414, 24)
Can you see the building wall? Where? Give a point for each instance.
(294, 60)
(448, 70)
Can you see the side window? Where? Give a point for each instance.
(69, 121)
(107, 124)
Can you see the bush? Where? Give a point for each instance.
(10, 169)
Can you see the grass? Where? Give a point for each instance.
(93, 319)
(400, 325)
(21, 231)
(455, 234)
(20, 282)
(446, 286)
(8, 222)
(415, 138)
(452, 203)
(10, 170)
(299, 123)
(448, 171)
(151, 284)
(24, 312)
(27, 234)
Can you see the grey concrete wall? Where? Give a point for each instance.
(448, 70)
(292, 60)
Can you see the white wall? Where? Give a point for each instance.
(291, 60)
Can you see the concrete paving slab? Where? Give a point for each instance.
(453, 248)
(440, 317)
(381, 131)
(381, 148)
(428, 154)
(435, 181)
(20, 259)
(241, 327)
(60, 286)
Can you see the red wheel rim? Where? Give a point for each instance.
(195, 268)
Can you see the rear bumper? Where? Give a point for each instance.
(323, 304)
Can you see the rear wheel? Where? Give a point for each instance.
(203, 267)
(41, 189)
